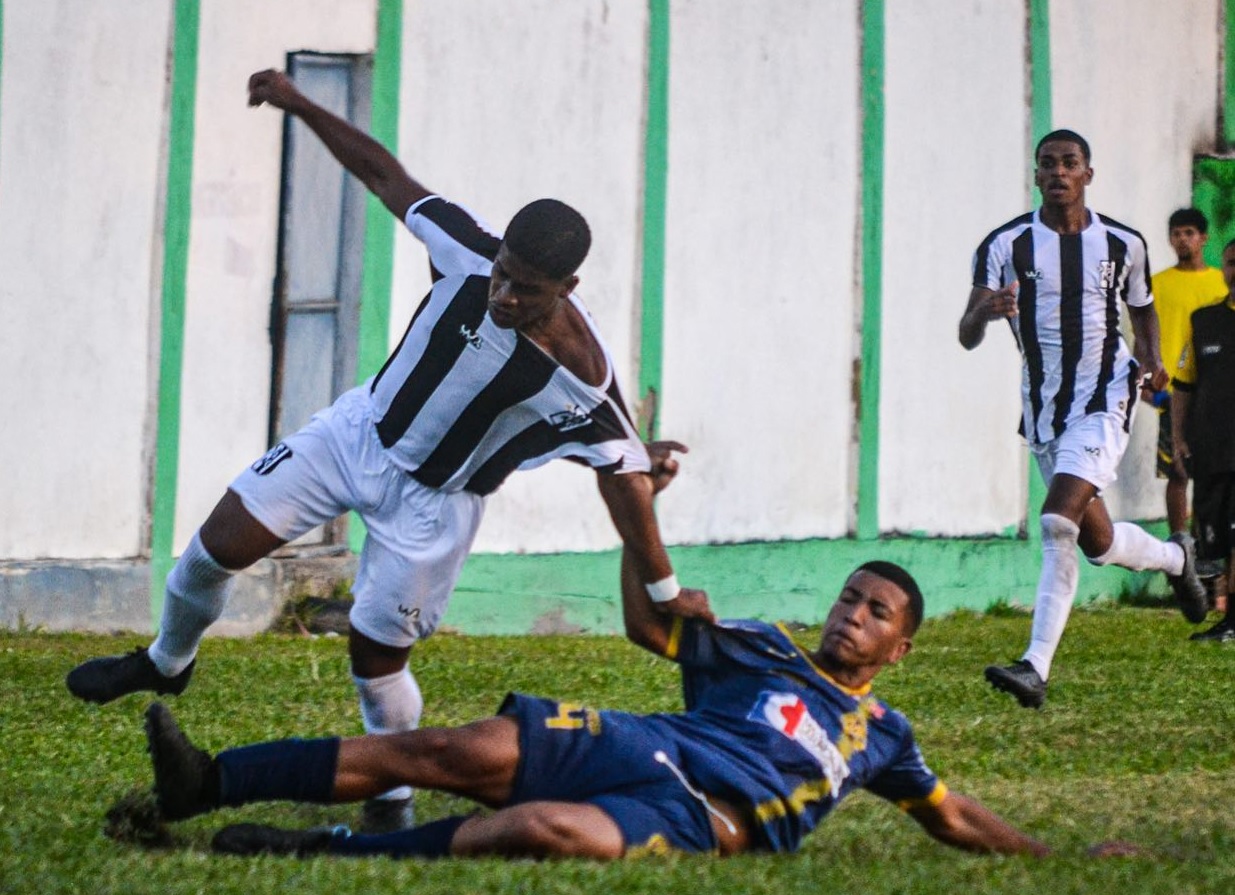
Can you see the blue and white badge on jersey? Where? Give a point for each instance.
(788, 714)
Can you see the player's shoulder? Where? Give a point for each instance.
(1009, 229)
(1120, 230)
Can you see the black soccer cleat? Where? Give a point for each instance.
(1189, 591)
(1223, 632)
(1021, 680)
(247, 840)
(107, 678)
(387, 815)
(186, 780)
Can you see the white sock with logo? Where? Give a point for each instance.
(390, 704)
(197, 590)
(1134, 548)
(1056, 590)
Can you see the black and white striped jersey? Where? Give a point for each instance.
(462, 403)
(1076, 361)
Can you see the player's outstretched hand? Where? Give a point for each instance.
(273, 87)
(689, 603)
(664, 465)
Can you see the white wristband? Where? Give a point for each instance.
(664, 590)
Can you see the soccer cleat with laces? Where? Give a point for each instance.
(186, 781)
(258, 839)
(1189, 591)
(1021, 680)
(107, 678)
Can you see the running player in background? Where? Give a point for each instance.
(1058, 275)
(500, 369)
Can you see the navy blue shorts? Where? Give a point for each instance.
(570, 753)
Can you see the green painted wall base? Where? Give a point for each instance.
(793, 581)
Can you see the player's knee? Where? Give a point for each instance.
(548, 830)
(1058, 531)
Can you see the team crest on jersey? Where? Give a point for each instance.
(472, 337)
(566, 420)
(272, 458)
(1106, 274)
(788, 714)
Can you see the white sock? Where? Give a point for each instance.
(1056, 590)
(1134, 548)
(197, 590)
(388, 705)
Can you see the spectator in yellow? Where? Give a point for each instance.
(1178, 291)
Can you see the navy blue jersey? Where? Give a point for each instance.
(766, 728)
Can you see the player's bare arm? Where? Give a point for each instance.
(1181, 405)
(966, 824)
(984, 306)
(1146, 348)
(359, 153)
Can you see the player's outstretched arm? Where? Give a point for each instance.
(966, 824)
(984, 306)
(359, 153)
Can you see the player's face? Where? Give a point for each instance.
(867, 624)
(519, 294)
(1228, 268)
(1062, 173)
(1187, 242)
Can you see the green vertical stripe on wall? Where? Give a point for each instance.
(175, 270)
(377, 275)
(1228, 81)
(1041, 117)
(655, 180)
(872, 266)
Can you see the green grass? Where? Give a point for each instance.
(1136, 742)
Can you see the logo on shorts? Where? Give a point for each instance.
(272, 458)
(413, 613)
(470, 336)
(1106, 274)
(1093, 451)
(566, 420)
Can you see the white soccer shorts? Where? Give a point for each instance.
(417, 537)
(1089, 449)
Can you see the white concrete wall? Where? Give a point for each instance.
(83, 95)
(759, 290)
(237, 161)
(1139, 79)
(499, 110)
(956, 127)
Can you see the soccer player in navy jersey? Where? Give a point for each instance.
(501, 369)
(1058, 276)
(771, 739)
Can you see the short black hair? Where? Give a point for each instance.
(890, 571)
(1188, 217)
(1063, 135)
(550, 236)
(1229, 245)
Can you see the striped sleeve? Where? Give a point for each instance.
(457, 240)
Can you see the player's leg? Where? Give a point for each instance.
(1164, 467)
(416, 541)
(478, 761)
(1214, 513)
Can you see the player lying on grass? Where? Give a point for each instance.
(773, 737)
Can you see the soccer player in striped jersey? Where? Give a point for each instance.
(1058, 276)
(500, 369)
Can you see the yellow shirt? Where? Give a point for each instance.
(1177, 293)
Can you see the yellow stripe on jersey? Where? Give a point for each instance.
(934, 800)
(810, 791)
(860, 691)
(675, 638)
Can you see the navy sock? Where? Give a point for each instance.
(430, 840)
(292, 770)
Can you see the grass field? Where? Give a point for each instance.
(1136, 742)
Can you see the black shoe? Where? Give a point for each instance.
(105, 679)
(1223, 632)
(1189, 592)
(258, 839)
(1021, 680)
(387, 815)
(186, 781)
